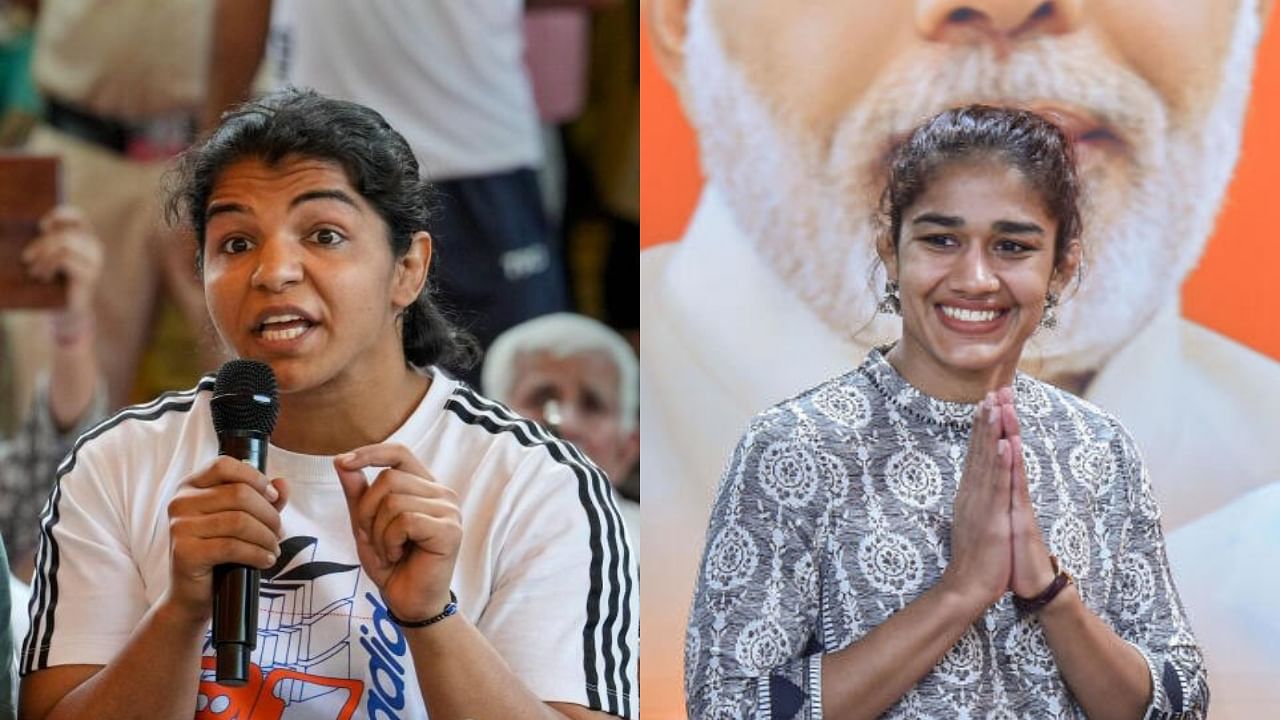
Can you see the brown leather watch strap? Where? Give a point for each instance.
(1060, 580)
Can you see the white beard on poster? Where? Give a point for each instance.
(773, 288)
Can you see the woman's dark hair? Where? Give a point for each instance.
(1022, 139)
(378, 163)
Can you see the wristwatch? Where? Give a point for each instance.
(1061, 579)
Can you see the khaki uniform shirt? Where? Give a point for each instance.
(124, 59)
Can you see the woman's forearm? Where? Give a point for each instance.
(156, 676)
(462, 676)
(73, 378)
(868, 677)
(1107, 675)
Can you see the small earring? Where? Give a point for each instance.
(1049, 320)
(890, 304)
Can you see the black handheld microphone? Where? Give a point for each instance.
(244, 413)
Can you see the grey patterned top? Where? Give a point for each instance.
(835, 512)
(28, 461)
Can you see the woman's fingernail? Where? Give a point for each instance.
(272, 493)
(346, 458)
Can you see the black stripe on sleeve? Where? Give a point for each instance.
(595, 494)
(617, 543)
(44, 591)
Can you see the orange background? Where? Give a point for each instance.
(1232, 290)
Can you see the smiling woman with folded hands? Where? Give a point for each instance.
(936, 534)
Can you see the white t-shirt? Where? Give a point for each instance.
(450, 76)
(545, 570)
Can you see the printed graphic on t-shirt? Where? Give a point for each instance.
(306, 663)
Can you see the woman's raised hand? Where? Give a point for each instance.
(981, 558)
(67, 246)
(407, 527)
(226, 513)
(1032, 571)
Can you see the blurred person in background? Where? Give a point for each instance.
(69, 396)
(578, 377)
(120, 84)
(555, 55)
(586, 82)
(604, 190)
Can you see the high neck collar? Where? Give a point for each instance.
(915, 403)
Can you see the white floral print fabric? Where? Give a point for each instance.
(835, 512)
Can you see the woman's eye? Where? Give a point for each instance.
(1011, 247)
(236, 245)
(327, 236)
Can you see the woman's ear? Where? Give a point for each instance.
(1067, 268)
(888, 253)
(411, 270)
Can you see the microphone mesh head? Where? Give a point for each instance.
(244, 397)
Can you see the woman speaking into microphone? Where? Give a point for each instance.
(422, 550)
